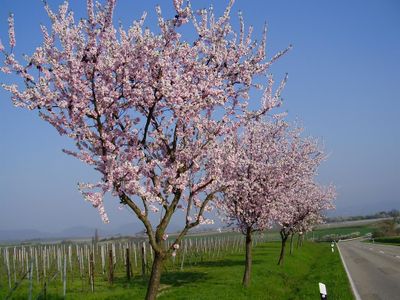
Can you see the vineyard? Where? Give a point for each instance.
(53, 270)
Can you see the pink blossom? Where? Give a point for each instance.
(11, 31)
(96, 199)
(268, 171)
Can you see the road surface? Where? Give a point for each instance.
(374, 269)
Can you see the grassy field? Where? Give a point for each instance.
(221, 278)
(391, 240)
(342, 231)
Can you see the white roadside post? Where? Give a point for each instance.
(333, 247)
(322, 291)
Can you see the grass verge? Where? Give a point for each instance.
(390, 240)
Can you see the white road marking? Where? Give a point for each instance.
(398, 256)
(370, 249)
(380, 251)
(353, 286)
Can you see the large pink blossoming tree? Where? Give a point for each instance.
(143, 108)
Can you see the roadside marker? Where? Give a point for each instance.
(322, 291)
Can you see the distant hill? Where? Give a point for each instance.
(85, 232)
(22, 234)
(76, 232)
(394, 213)
(30, 234)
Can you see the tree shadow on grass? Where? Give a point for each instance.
(225, 263)
(179, 278)
(135, 280)
(170, 278)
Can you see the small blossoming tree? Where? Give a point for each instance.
(251, 174)
(308, 204)
(303, 202)
(265, 170)
(255, 168)
(144, 108)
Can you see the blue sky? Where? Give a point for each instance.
(344, 85)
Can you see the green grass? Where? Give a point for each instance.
(297, 279)
(391, 240)
(221, 278)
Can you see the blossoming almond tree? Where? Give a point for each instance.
(308, 217)
(144, 108)
(306, 202)
(255, 167)
(267, 172)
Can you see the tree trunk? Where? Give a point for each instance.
(284, 237)
(154, 283)
(247, 270)
(291, 243)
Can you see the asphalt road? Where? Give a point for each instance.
(374, 269)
